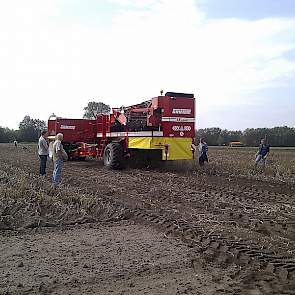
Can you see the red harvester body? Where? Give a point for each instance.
(162, 128)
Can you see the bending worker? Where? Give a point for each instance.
(262, 153)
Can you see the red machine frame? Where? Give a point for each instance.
(162, 124)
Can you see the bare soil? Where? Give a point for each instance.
(123, 258)
(151, 232)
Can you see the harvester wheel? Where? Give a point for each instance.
(113, 156)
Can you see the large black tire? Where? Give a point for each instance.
(113, 156)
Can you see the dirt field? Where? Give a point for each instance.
(226, 229)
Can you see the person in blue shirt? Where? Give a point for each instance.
(262, 153)
(203, 149)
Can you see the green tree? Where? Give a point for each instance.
(234, 136)
(95, 108)
(211, 135)
(282, 136)
(7, 135)
(30, 129)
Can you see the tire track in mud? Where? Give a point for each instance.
(278, 219)
(222, 247)
(224, 205)
(171, 203)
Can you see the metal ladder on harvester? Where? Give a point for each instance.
(101, 147)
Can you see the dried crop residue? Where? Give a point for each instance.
(233, 234)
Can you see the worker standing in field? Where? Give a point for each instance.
(43, 152)
(58, 156)
(262, 153)
(203, 149)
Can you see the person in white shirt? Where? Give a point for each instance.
(43, 152)
(58, 155)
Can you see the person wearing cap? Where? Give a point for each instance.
(59, 156)
(43, 152)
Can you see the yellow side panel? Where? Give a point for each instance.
(140, 142)
(179, 148)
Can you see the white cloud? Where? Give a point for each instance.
(51, 64)
(135, 3)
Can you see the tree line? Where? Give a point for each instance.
(29, 130)
(277, 136)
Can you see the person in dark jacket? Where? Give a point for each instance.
(262, 153)
(203, 149)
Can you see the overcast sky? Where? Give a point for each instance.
(237, 56)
